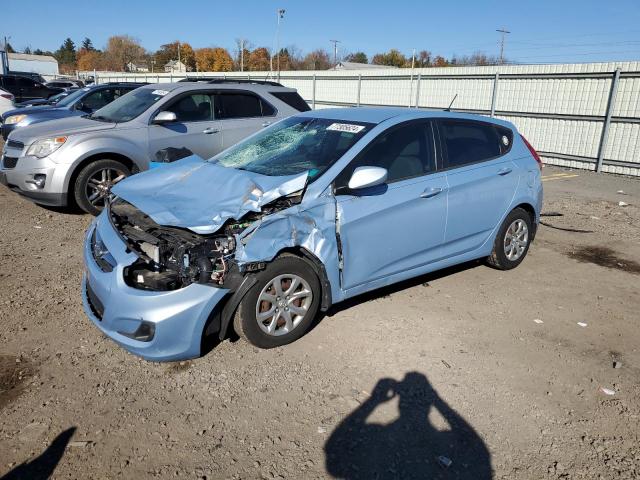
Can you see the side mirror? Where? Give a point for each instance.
(364, 177)
(165, 117)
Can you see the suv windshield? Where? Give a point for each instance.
(67, 99)
(128, 106)
(294, 145)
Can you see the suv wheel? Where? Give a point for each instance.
(513, 240)
(281, 306)
(93, 185)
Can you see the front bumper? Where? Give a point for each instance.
(20, 177)
(179, 317)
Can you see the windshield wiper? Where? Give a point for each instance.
(100, 118)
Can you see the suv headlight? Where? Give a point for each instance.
(13, 119)
(45, 146)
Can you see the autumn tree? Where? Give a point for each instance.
(213, 60)
(90, 60)
(392, 58)
(169, 51)
(316, 60)
(357, 57)
(122, 49)
(440, 61)
(259, 60)
(424, 58)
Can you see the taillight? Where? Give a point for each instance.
(533, 151)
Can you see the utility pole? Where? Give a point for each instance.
(242, 54)
(280, 15)
(335, 51)
(503, 31)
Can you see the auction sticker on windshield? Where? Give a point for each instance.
(162, 93)
(345, 127)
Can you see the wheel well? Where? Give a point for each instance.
(527, 207)
(318, 267)
(98, 156)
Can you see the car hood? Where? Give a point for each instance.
(64, 126)
(29, 110)
(201, 196)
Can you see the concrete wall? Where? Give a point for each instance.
(561, 109)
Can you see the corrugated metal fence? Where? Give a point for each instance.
(578, 115)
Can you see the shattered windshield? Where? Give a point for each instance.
(294, 145)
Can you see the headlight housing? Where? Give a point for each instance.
(13, 119)
(45, 146)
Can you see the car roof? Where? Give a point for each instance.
(380, 114)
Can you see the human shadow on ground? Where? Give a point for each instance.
(42, 467)
(410, 446)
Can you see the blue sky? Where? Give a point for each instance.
(542, 31)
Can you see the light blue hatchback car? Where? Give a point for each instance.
(315, 209)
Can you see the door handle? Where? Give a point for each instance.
(505, 171)
(431, 192)
(266, 124)
(210, 130)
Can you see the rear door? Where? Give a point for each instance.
(393, 228)
(30, 89)
(195, 128)
(241, 113)
(482, 181)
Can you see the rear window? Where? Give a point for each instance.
(241, 105)
(293, 99)
(469, 142)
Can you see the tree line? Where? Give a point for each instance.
(125, 53)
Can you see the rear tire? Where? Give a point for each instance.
(512, 241)
(286, 296)
(93, 184)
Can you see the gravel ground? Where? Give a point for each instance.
(468, 373)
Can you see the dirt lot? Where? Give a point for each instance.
(469, 373)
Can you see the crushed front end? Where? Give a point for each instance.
(152, 311)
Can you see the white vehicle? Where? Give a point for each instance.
(6, 101)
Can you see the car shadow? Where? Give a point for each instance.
(43, 466)
(410, 446)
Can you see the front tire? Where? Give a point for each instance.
(93, 185)
(512, 241)
(281, 306)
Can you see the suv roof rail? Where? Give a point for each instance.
(218, 80)
(125, 83)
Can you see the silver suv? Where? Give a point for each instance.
(77, 160)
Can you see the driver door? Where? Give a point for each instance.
(194, 128)
(393, 228)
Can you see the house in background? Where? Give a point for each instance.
(174, 66)
(137, 67)
(23, 62)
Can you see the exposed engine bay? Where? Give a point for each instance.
(171, 257)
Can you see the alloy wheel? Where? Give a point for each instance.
(282, 304)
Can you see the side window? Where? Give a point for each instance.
(193, 108)
(26, 83)
(468, 142)
(241, 105)
(406, 151)
(98, 99)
